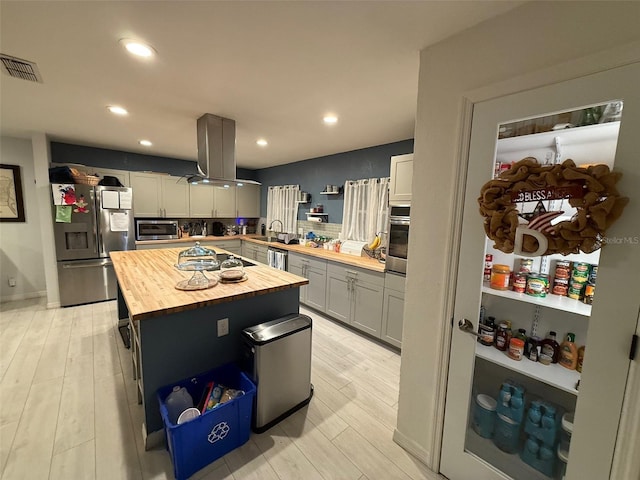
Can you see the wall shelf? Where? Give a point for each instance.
(557, 302)
(554, 374)
(330, 193)
(317, 214)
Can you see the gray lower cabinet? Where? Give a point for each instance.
(313, 294)
(255, 252)
(355, 296)
(232, 246)
(393, 309)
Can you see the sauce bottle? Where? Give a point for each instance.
(502, 337)
(580, 359)
(568, 356)
(549, 349)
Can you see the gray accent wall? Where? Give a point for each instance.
(313, 174)
(135, 162)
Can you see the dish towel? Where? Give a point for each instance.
(277, 259)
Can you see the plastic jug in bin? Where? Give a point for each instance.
(177, 402)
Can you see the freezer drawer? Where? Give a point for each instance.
(280, 364)
(86, 281)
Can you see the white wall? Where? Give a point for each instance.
(533, 37)
(20, 243)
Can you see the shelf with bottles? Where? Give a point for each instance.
(332, 190)
(557, 302)
(507, 462)
(554, 374)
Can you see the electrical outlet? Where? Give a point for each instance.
(223, 327)
(12, 282)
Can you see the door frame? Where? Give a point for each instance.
(625, 461)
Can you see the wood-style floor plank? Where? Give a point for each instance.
(68, 407)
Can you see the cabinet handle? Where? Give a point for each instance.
(351, 272)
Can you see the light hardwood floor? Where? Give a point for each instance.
(68, 407)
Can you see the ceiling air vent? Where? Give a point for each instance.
(16, 67)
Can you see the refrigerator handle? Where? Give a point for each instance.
(96, 206)
(106, 263)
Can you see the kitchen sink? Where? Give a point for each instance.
(266, 239)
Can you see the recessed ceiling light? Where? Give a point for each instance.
(145, 143)
(137, 48)
(330, 119)
(262, 142)
(117, 110)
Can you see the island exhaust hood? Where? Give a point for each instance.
(217, 152)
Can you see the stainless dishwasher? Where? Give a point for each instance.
(278, 358)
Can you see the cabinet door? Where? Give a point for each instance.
(470, 449)
(298, 270)
(317, 288)
(147, 191)
(175, 197)
(392, 317)
(339, 296)
(224, 202)
(201, 201)
(261, 254)
(401, 177)
(248, 201)
(367, 307)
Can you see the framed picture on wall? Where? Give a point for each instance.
(11, 201)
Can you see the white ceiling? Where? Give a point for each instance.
(274, 67)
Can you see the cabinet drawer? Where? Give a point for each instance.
(394, 281)
(309, 262)
(361, 274)
(227, 244)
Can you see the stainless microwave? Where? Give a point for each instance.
(157, 229)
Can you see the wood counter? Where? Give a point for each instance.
(147, 280)
(362, 262)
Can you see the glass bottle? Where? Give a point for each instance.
(550, 348)
(502, 337)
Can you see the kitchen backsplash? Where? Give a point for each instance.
(331, 230)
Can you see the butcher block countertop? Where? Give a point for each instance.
(147, 280)
(362, 262)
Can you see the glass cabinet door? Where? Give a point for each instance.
(539, 354)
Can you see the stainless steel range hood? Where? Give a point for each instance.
(216, 152)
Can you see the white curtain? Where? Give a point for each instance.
(365, 208)
(281, 205)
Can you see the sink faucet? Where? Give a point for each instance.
(276, 231)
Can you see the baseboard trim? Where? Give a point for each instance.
(412, 447)
(153, 439)
(23, 296)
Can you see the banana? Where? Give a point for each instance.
(375, 243)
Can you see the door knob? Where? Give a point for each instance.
(467, 327)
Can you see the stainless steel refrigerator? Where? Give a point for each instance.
(99, 221)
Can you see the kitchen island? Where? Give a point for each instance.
(175, 333)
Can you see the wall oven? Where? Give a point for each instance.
(157, 229)
(398, 239)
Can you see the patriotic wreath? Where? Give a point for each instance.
(590, 192)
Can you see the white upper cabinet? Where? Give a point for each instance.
(201, 201)
(248, 201)
(175, 196)
(224, 202)
(156, 195)
(401, 177)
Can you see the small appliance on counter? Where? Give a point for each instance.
(217, 229)
(352, 247)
